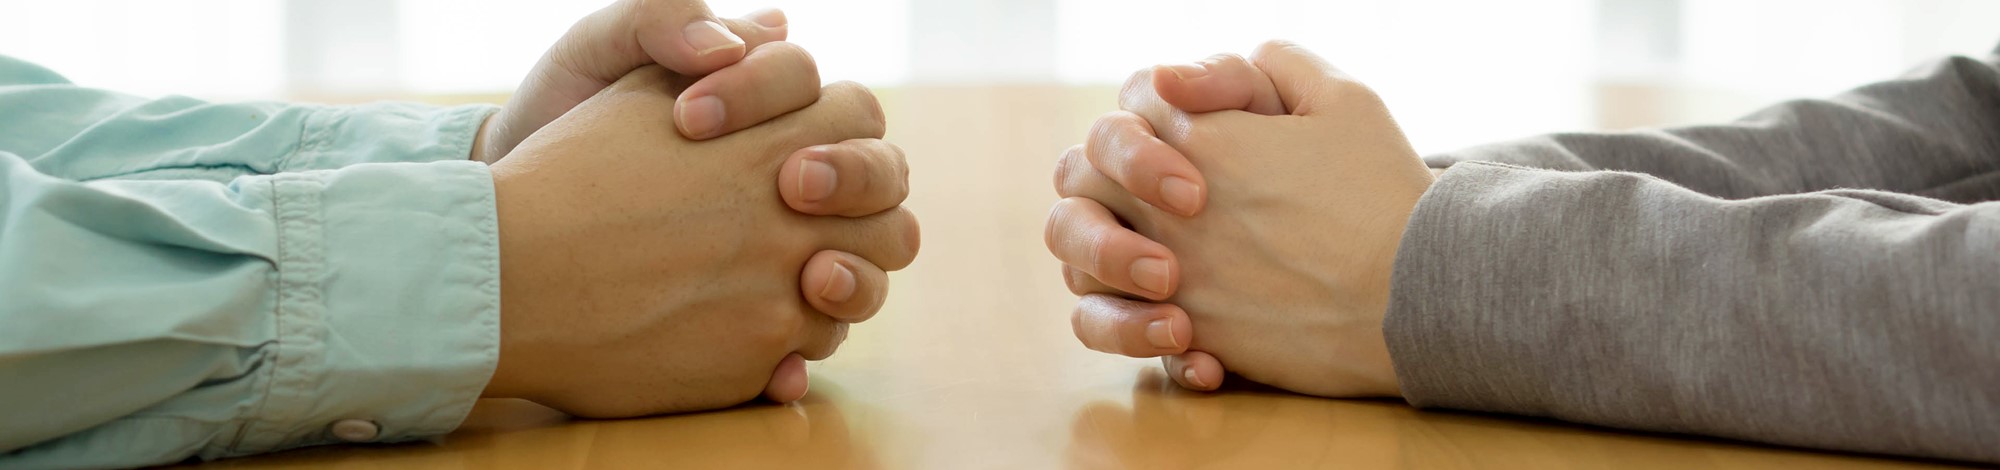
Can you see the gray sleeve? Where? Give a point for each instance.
(1934, 132)
(1847, 319)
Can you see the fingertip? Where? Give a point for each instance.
(1182, 196)
(1154, 274)
(760, 27)
(700, 117)
(1083, 233)
(695, 46)
(1195, 370)
(812, 179)
(1193, 379)
(839, 284)
(1111, 324)
(789, 380)
(1165, 79)
(1218, 83)
(855, 178)
(709, 40)
(1182, 330)
(742, 92)
(768, 17)
(1170, 82)
(1123, 147)
(1163, 334)
(843, 286)
(775, 25)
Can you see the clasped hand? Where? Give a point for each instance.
(647, 264)
(1184, 230)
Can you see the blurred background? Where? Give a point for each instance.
(1456, 72)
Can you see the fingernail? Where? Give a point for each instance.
(839, 284)
(768, 17)
(708, 36)
(1161, 333)
(1180, 193)
(1187, 71)
(816, 180)
(702, 117)
(1193, 378)
(1150, 274)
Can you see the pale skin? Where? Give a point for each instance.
(1273, 261)
(632, 196)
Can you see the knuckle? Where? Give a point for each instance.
(826, 338)
(891, 152)
(1349, 89)
(1055, 226)
(1111, 126)
(901, 165)
(1079, 324)
(1140, 81)
(785, 51)
(1100, 253)
(1230, 59)
(819, 352)
(1275, 46)
(862, 312)
(910, 236)
(861, 99)
(1067, 182)
(793, 56)
(890, 239)
(1111, 139)
(1078, 282)
(887, 174)
(1195, 137)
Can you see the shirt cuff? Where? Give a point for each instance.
(1439, 326)
(338, 136)
(388, 317)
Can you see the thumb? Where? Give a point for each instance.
(686, 37)
(682, 35)
(1220, 82)
(1304, 81)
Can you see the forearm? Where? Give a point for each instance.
(1845, 320)
(1933, 132)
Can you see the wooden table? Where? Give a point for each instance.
(972, 364)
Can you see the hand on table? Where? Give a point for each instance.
(729, 74)
(643, 272)
(1254, 235)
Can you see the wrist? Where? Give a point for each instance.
(480, 146)
(1385, 382)
(510, 379)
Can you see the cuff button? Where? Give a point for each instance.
(356, 430)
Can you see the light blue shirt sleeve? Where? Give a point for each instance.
(181, 278)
